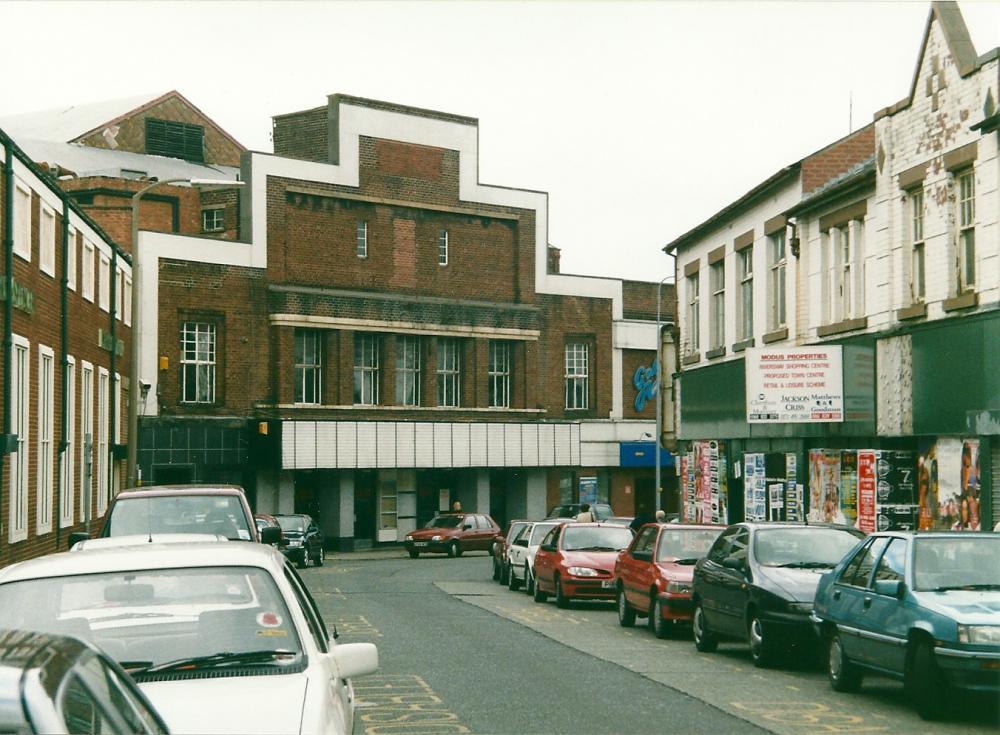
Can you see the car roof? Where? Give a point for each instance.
(792, 524)
(144, 556)
(146, 538)
(695, 526)
(181, 490)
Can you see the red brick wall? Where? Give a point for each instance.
(837, 158)
(301, 135)
(639, 301)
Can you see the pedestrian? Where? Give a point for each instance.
(661, 515)
(642, 517)
(585, 515)
(456, 507)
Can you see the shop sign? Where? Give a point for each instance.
(799, 385)
(24, 297)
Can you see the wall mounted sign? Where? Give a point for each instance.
(795, 385)
(645, 382)
(24, 297)
(107, 343)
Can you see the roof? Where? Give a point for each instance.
(63, 124)
(857, 177)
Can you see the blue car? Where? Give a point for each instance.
(920, 607)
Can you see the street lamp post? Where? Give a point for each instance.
(659, 384)
(135, 387)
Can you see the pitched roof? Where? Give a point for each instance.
(64, 124)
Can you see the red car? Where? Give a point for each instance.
(453, 534)
(577, 560)
(653, 575)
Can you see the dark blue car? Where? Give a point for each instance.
(920, 607)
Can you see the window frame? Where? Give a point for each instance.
(47, 239)
(86, 427)
(23, 215)
(744, 305)
(20, 426)
(103, 408)
(693, 307)
(966, 221)
(918, 271)
(213, 219)
(498, 373)
(207, 365)
(576, 362)
(449, 372)
(777, 283)
(67, 461)
(408, 366)
(308, 375)
(44, 456)
(443, 240)
(88, 270)
(367, 373)
(71, 259)
(361, 238)
(717, 305)
(103, 281)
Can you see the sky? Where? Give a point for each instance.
(640, 119)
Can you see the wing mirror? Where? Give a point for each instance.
(270, 535)
(355, 659)
(736, 564)
(889, 588)
(76, 537)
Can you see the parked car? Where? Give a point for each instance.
(619, 520)
(453, 534)
(653, 575)
(212, 509)
(521, 554)
(264, 520)
(59, 684)
(758, 581)
(570, 510)
(228, 626)
(577, 560)
(924, 608)
(304, 539)
(500, 548)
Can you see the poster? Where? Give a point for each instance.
(866, 491)
(832, 486)
(794, 385)
(705, 482)
(771, 488)
(588, 490)
(849, 486)
(948, 490)
(895, 492)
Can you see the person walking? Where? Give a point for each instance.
(585, 515)
(642, 517)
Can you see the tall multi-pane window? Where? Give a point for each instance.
(127, 300)
(44, 475)
(104, 282)
(577, 376)
(67, 477)
(776, 280)
(845, 263)
(198, 362)
(408, 371)
(967, 230)
(443, 247)
(71, 260)
(499, 374)
(717, 309)
(693, 313)
(86, 440)
(745, 260)
(102, 440)
(362, 238)
(366, 362)
(917, 276)
(308, 366)
(22, 220)
(87, 270)
(19, 424)
(47, 241)
(449, 372)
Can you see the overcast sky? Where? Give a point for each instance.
(640, 120)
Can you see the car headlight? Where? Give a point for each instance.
(409, 537)
(984, 635)
(679, 588)
(582, 571)
(436, 538)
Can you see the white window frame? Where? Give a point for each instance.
(361, 239)
(308, 373)
(777, 285)
(23, 201)
(45, 456)
(717, 307)
(443, 247)
(116, 434)
(20, 386)
(71, 258)
(103, 281)
(47, 240)
(201, 365)
(103, 399)
(744, 259)
(692, 289)
(918, 268)
(966, 202)
(127, 300)
(218, 222)
(408, 363)
(119, 277)
(577, 376)
(498, 373)
(87, 270)
(449, 372)
(366, 368)
(86, 427)
(67, 460)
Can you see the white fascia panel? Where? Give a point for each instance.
(599, 454)
(634, 335)
(615, 431)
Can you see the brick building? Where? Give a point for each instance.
(390, 335)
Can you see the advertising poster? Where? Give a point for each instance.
(775, 494)
(866, 491)
(849, 486)
(794, 385)
(704, 510)
(825, 486)
(588, 490)
(948, 490)
(704, 477)
(748, 477)
(793, 492)
(896, 507)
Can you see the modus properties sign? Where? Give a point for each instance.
(797, 385)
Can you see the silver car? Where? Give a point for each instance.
(521, 554)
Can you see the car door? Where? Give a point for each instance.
(885, 620)
(847, 599)
(709, 578)
(545, 558)
(484, 533)
(637, 568)
(519, 550)
(733, 585)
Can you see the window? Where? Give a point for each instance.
(175, 139)
(127, 300)
(499, 374)
(859, 570)
(366, 349)
(19, 425)
(917, 272)
(308, 366)
(693, 314)
(845, 247)
(44, 476)
(362, 238)
(197, 362)
(119, 277)
(213, 220)
(102, 440)
(22, 220)
(449, 371)
(737, 551)
(71, 260)
(47, 241)
(892, 565)
(67, 477)
(717, 281)
(408, 371)
(776, 280)
(104, 282)
(86, 440)
(87, 274)
(745, 304)
(577, 376)
(967, 231)
(443, 247)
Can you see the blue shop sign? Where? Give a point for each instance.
(642, 454)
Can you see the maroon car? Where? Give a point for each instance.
(653, 575)
(453, 534)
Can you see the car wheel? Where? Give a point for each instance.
(561, 599)
(454, 550)
(414, 554)
(761, 646)
(537, 594)
(513, 583)
(320, 557)
(704, 640)
(927, 689)
(304, 561)
(529, 581)
(657, 624)
(504, 573)
(496, 569)
(844, 675)
(626, 615)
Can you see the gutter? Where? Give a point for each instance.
(8, 324)
(64, 348)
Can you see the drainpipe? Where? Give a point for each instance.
(64, 346)
(113, 383)
(8, 316)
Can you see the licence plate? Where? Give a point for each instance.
(607, 584)
(420, 543)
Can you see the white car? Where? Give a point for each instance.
(522, 551)
(222, 637)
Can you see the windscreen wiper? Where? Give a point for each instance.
(224, 658)
(807, 565)
(972, 587)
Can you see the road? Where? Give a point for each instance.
(461, 654)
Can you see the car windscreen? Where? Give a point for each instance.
(292, 524)
(595, 538)
(685, 543)
(221, 514)
(539, 531)
(947, 563)
(445, 522)
(804, 547)
(147, 618)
